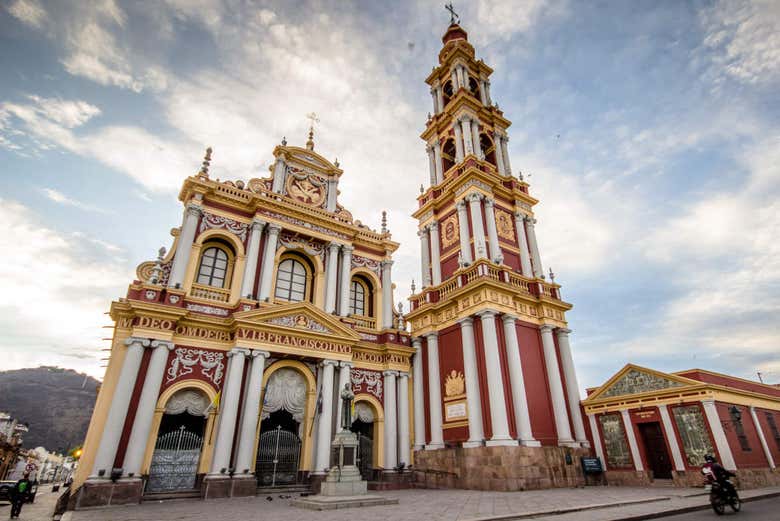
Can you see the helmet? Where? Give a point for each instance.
(709, 458)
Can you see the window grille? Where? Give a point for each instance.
(291, 281)
(213, 267)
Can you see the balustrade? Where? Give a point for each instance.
(210, 293)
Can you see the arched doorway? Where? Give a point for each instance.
(281, 428)
(179, 442)
(363, 426)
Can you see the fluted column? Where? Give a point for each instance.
(387, 294)
(762, 438)
(594, 430)
(419, 396)
(228, 413)
(144, 412)
(404, 445)
(671, 438)
(439, 165)
(184, 245)
(632, 444)
(465, 122)
(345, 280)
(476, 225)
(463, 226)
(434, 393)
(718, 435)
(252, 251)
(431, 164)
(117, 412)
(326, 418)
(498, 415)
(458, 142)
(475, 139)
(391, 433)
(331, 272)
(435, 253)
(505, 152)
(250, 414)
(522, 244)
(537, 261)
(470, 374)
(269, 257)
(425, 259)
(556, 388)
(490, 219)
(345, 368)
(572, 387)
(499, 155)
(517, 381)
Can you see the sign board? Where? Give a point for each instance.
(455, 411)
(591, 465)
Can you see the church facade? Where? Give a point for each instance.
(496, 399)
(229, 351)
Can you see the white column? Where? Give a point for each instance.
(499, 154)
(345, 369)
(522, 244)
(404, 446)
(419, 396)
(439, 163)
(331, 272)
(440, 98)
(326, 418)
(391, 433)
(345, 280)
(252, 251)
(333, 193)
(184, 245)
(434, 393)
(572, 387)
(229, 411)
(490, 218)
(435, 101)
(537, 261)
(250, 414)
(470, 373)
(144, 412)
(671, 437)
(387, 295)
(476, 225)
(517, 381)
(463, 76)
(280, 173)
(463, 225)
(632, 444)
(487, 92)
(721, 442)
(117, 412)
(435, 253)
(465, 122)
(475, 139)
(594, 429)
(458, 142)
(556, 388)
(425, 259)
(498, 415)
(431, 164)
(269, 257)
(483, 92)
(505, 152)
(455, 83)
(762, 438)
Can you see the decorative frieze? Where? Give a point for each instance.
(310, 246)
(210, 364)
(358, 261)
(299, 321)
(364, 380)
(208, 310)
(473, 183)
(211, 220)
(304, 224)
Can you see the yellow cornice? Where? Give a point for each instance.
(300, 154)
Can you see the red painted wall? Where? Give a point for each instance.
(753, 458)
(451, 359)
(448, 267)
(731, 382)
(536, 385)
(511, 259)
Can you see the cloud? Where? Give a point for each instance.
(60, 198)
(504, 18)
(28, 11)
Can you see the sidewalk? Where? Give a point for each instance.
(41, 510)
(612, 504)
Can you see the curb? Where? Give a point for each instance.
(686, 510)
(559, 511)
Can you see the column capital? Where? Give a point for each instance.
(144, 342)
(194, 209)
(474, 196)
(708, 401)
(334, 246)
(489, 202)
(386, 263)
(562, 331)
(508, 318)
(530, 221)
(519, 215)
(162, 343)
(432, 334)
(546, 327)
(461, 205)
(422, 231)
(403, 374)
(258, 224)
(260, 352)
(487, 314)
(274, 229)
(389, 373)
(417, 343)
(238, 351)
(467, 321)
(346, 364)
(325, 363)
(434, 225)
(347, 248)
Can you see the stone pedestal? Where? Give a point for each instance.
(344, 477)
(243, 486)
(216, 486)
(104, 492)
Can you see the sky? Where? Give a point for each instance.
(649, 131)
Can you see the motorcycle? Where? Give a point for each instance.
(719, 495)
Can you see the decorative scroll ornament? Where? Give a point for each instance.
(359, 261)
(635, 382)
(455, 384)
(299, 322)
(286, 390)
(504, 225)
(258, 185)
(145, 270)
(194, 402)
(371, 379)
(364, 412)
(209, 310)
(310, 246)
(449, 231)
(304, 224)
(305, 187)
(210, 363)
(215, 221)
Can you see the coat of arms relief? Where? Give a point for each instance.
(306, 187)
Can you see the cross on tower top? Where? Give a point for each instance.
(311, 116)
(454, 18)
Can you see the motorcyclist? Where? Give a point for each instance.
(720, 474)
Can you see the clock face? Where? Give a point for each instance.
(305, 190)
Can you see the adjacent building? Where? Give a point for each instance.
(647, 425)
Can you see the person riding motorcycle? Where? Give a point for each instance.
(720, 475)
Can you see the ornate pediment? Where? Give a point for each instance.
(301, 316)
(636, 380)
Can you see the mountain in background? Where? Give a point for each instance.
(56, 403)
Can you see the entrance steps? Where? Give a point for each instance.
(168, 496)
(297, 489)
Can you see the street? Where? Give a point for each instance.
(41, 510)
(764, 510)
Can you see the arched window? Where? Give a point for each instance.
(447, 92)
(357, 298)
(213, 267)
(292, 281)
(448, 154)
(474, 87)
(488, 149)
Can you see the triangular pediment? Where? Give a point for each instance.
(301, 316)
(633, 379)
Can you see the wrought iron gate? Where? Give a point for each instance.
(175, 461)
(278, 455)
(365, 456)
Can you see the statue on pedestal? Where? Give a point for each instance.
(346, 407)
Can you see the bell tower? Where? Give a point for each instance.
(493, 365)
